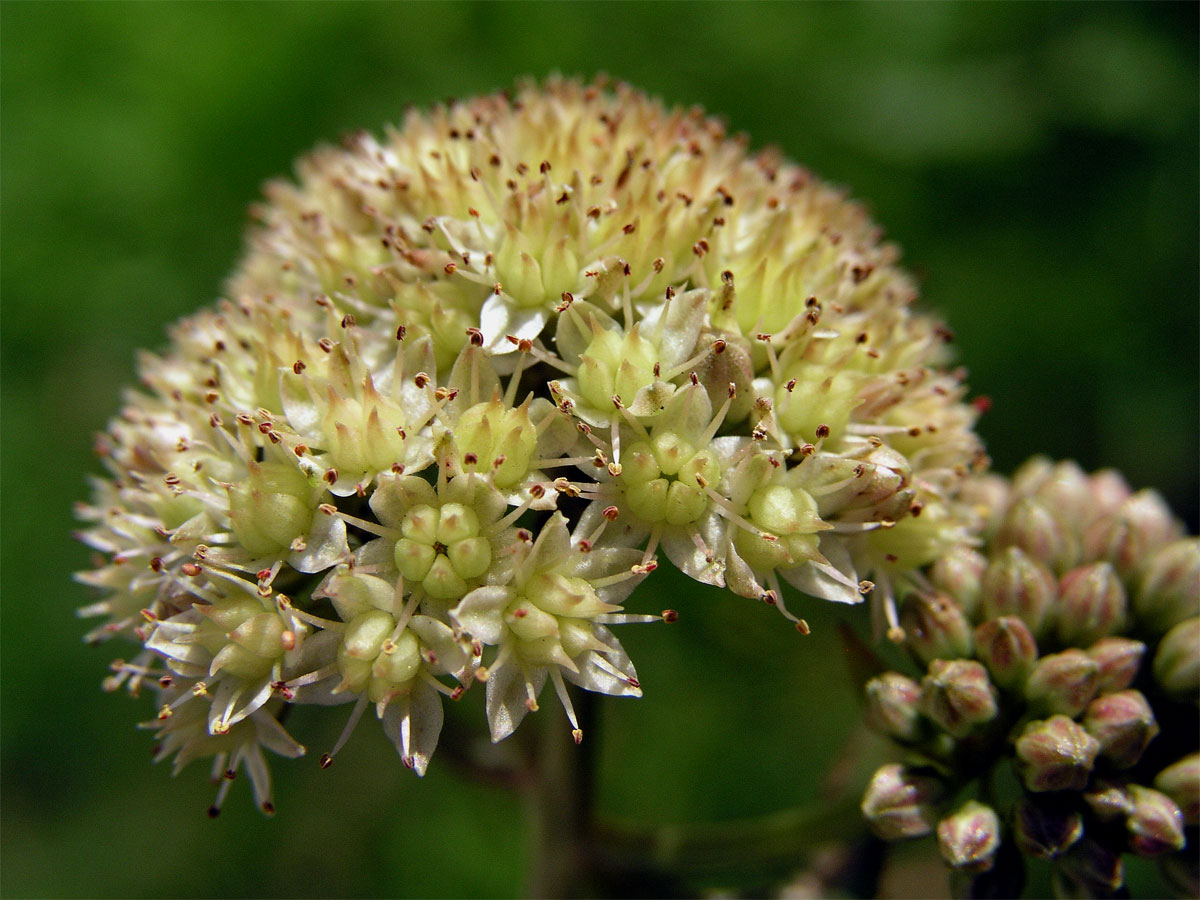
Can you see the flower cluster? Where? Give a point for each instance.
(470, 378)
(1064, 658)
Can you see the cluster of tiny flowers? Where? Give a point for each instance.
(470, 379)
(1056, 717)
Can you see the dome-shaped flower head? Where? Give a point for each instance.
(471, 375)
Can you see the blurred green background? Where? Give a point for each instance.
(1037, 162)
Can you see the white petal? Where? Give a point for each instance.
(479, 613)
(274, 737)
(325, 545)
(500, 317)
(507, 696)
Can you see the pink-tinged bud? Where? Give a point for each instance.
(1055, 754)
(1091, 604)
(1127, 537)
(1063, 683)
(969, 837)
(1124, 724)
(935, 628)
(1181, 782)
(1040, 533)
(1177, 662)
(987, 496)
(1067, 490)
(1119, 660)
(1170, 588)
(1108, 800)
(1007, 649)
(957, 696)
(901, 804)
(1017, 585)
(1095, 868)
(960, 574)
(892, 706)
(1045, 827)
(1155, 825)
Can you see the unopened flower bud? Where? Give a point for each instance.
(1124, 724)
(957, 696)
(1177, 662)
(1007, 649)
(1094, 867)
(1045, 827)
(935, 628)
(1062, 683)
(969, 837)
(1109, 801)
(960, 574)
(1138, 528)
(1170, 588)
(1155, 825)
(1065, 489)
(1181, 782)
(1055, 754)
(1119, 660)
(1091, 604)
(902, 804)
(892, 706)
(1035, 529)
(1017, 585)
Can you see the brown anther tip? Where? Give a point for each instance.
(450, 268)
(732, 390)
(524, 534)
(767, 536)
(891, 557)
(190, 569)
(497, 289)
(669, 293)
(701, 480)
(397, 468)
(544, 167)
(633, 682)
(330, 476)
(348, 321)
(616, 401)
(325, 344)
(298, 366)
(585, 546)
(457, 693)
(803, 628)
(865, 587)
(421, 379)
(727, 277)
(630, 228)
(268, 808)
(669, 616)
(213, 812)
(577, 734)
(611, 513)
(156, 564)
(822, 431)
(325, 761)
(718, 346)
(658, 264)
(791, 385)
(475, 336)
(470, 459)
(400, 332)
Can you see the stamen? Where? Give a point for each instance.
(565, 699)
(355, 715)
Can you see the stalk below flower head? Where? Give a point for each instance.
(472, 376)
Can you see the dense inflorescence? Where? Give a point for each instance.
(470, 378)
(1056, 715)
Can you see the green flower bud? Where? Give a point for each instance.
(1062, 683)
(935, 628)
(899, 803)
(811, 395)
(1016, 585)
(892, 706)
(959, 573)
(1008, 650)
(1170, 588)
(1155, 826)
(1124, 724)
(957, 696)
(1091, 604)
(499, 439)
(1177, 662)
(1036, 530)
(969, 837)
(1181, 782)
(1055, 754)
(360, 645)
(1045, 827)
(1119, 660)
(271, 508)
(396, 665)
